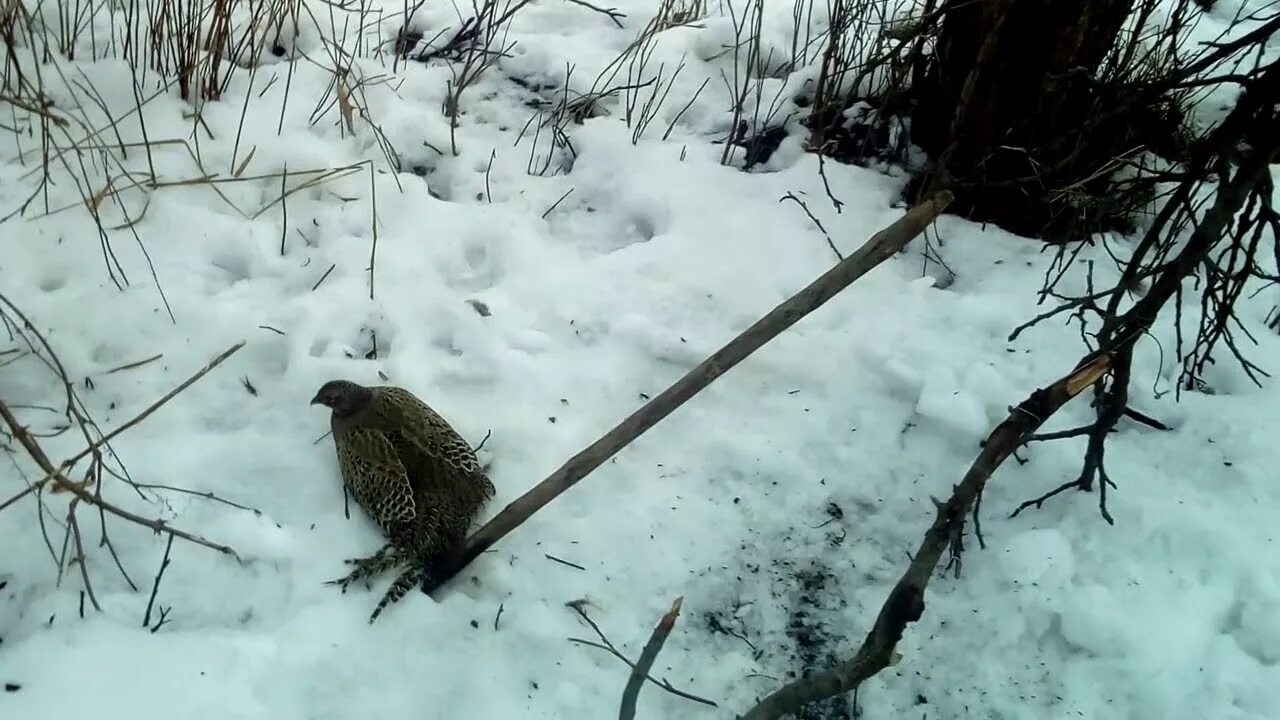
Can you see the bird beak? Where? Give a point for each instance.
(315, 400)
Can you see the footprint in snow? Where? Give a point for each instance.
(53, 281)
(371, 341)
(475, 263)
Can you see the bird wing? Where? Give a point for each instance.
(429, 433)
(376, 475)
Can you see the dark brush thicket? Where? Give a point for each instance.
(1026, 110)
(1061, 119)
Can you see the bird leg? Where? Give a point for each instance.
(364, 568)
(410, 577)
(450, 556)
(378, 556)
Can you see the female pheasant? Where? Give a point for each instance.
(411, 471)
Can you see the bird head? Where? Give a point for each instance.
(343, 396)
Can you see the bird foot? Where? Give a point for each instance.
(344, 582)
(407, 579)
(365, 568)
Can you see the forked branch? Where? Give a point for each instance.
(905, 603)
(56, 474)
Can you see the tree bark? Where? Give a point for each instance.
(1008, 107)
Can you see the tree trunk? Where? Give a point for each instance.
(1009, 109)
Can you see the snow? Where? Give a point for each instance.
(781, 503)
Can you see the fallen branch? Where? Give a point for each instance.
(882, 246)
(607, 646)
(905, 603)
(640, 670)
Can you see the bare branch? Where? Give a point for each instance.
(59, 480)
(206, 494)
(905, 603)
(611, 13)
(74, 526)
(155, 405)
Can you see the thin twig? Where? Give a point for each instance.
(21, 494)
(74, 525)
(556, 204)
(155, 585)
(56, 476)
(207, 495)
(1145, 419)
(611, 13)
(164, 618)
(1062, 434)
(133, 365)
(67, 464)
(553, 558)
(322, 277)
(830, 243)
(373, 226)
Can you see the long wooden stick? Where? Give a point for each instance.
(882, 246)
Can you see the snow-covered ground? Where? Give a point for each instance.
(781, 503)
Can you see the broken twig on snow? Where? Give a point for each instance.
(607, 646)
(640, 670)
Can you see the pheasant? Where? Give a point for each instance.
(409, 470)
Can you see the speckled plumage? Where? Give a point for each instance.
(412, 472)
